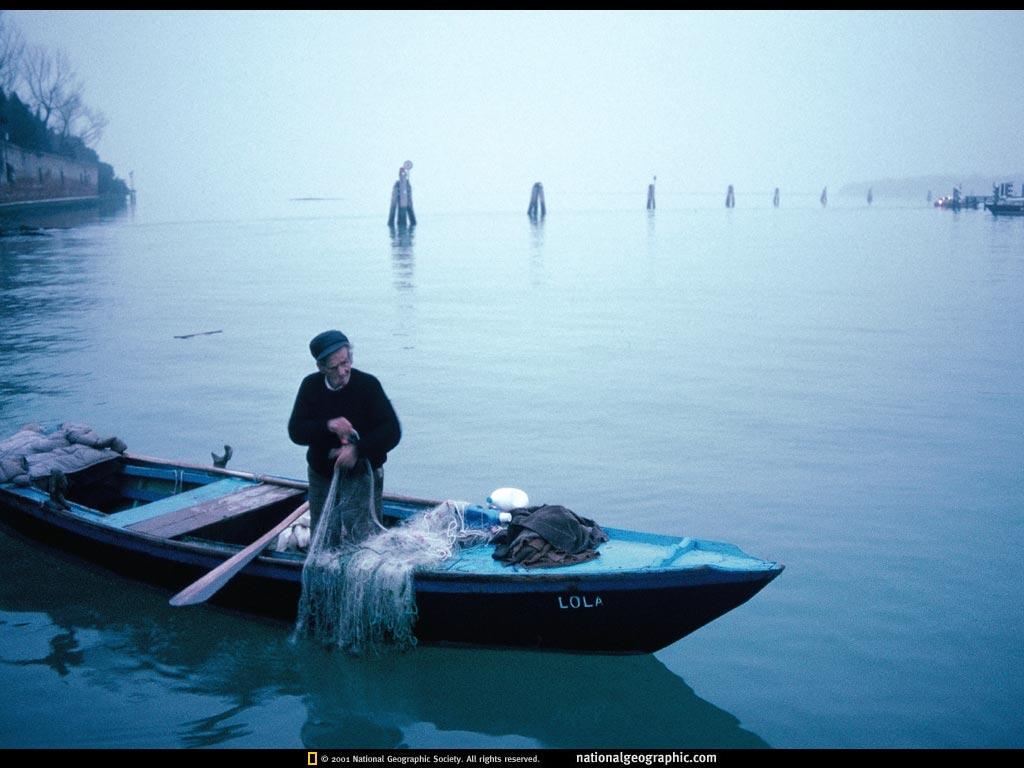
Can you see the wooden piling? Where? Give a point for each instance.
(775, 198)
(537, 208)
(871, 196)
(650, 194)
(730, 198)
(401, 199)
(824, 197)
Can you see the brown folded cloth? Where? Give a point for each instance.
(548, 536)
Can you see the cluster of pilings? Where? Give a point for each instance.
(401, 199)
(537, 209)
(402, 209)
(730, 197)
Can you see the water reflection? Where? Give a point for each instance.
(239, 666)
(554, 700)
(403, 268)
(91, 212)
(403, 261)
(536, 252)
(64, 654)
(46, 289)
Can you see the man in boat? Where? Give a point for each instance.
(347, 421)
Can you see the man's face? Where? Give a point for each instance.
(338, 367)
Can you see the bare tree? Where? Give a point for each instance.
(12, 48)
(91, 127)
(51, 82)
(55, 91)
(74, 118)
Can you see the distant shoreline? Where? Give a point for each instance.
(938, 184)
(48, 203)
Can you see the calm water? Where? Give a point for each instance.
(840, 390)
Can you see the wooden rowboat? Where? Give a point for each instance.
(169, 523)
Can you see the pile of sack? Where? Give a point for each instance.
(33, 453)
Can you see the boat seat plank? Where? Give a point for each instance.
(181, 521)
(178, 501)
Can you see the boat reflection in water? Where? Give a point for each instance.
(108, 645)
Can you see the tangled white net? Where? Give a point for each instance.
(359, 595)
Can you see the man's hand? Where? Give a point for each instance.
(345, 457)
(342, 427)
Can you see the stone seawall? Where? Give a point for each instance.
(28, 175)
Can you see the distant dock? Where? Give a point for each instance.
(955, 202)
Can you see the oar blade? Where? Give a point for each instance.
(209, 584)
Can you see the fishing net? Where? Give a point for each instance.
(358, 593)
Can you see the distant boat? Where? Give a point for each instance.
(953, 202)
(1005, 202)
(1007, 206)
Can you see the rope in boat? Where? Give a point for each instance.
(374, 512)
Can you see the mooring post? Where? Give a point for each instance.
(824, 196)
(394, 205)
(537, 204)
(730, 198)
(650, 194)
(871, 196)
(775, 198)
(401, 199)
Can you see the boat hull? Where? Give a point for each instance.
(1006, 209)
(593, 612)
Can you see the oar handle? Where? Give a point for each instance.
(204, 588)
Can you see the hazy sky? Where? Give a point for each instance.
(259, 105)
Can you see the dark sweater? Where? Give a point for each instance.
(362, 401)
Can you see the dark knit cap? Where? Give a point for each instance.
(327, 343)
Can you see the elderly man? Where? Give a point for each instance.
(344, 417)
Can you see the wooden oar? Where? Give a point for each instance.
(200, 591)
